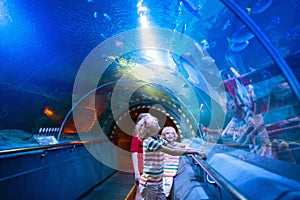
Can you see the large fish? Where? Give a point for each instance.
(238, 46)
(241, 35)
(188, 71)
(259, 6)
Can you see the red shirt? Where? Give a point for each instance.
(136, 145)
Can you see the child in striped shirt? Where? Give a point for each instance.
(171, 163)
(154, 147)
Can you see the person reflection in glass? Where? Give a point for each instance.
(244, 128)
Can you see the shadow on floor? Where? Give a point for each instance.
(114, 188)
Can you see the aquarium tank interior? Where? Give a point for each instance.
(222, 72)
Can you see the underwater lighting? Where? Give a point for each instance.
(144, 21)
(142, 12)
(147, 37)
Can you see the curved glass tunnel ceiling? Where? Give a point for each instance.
(45, 44)
(158, 78)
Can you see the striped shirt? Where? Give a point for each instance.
(153, 161)
(171, 164)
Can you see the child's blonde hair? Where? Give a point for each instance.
(168, 129)
(146, 127)
(143, 115)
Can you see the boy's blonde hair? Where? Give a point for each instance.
(147, 127)
(169, 129)
(143, 115)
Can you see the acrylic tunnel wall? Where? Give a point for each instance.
(83, 70)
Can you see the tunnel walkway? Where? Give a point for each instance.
(115, 187)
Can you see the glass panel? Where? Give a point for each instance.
(196, 58)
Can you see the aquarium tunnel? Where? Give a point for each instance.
(75, 75)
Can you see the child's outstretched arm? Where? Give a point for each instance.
(179, 146)
(181, 151)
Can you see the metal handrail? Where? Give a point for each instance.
(52, 146)
(219, 179)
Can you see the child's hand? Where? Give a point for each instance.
(201, 154)
(198, 152)
(137, 176)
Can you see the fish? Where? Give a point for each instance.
(185, 86)
(103, 36)
(293, 33)
(212, 44)
(192, 75)
(248, 11)
(201, 107)
(192, 9)
(241, 35)
(260, 6)
(273, 23)
(180, 68)
(95, 14)
(3, 113)
(199, 49)
(238, 46)
(208, 59)
(107, 17)
(186, 70)
(226, 25)
(204, 44)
